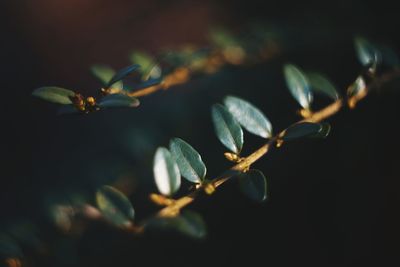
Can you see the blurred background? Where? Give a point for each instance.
(331, 202)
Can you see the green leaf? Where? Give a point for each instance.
(250, 117)
(358, 87)
(149, 67)
(114, 206)
(121, 74)
(226, 127)
(188, 223)
(324, 131)
(298, 85)
(104, 73)
(166, 172)
(118, 100)
(54, 94)
(301, 129)
(321, 84)
(254, 185)
(367, 53)
(189, 160)
(222, 38)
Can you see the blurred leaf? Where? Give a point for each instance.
(250, 117)
(227, 128)
(148, 83)
(114, 206)
(389, 57)
(254, 185)
(367, 53)
(188, 223)
(67, 109)
(26, 233)
(118, 100)
(149, 67)
(298, 85)
(166, 172)
(8, 247)
(189, 160)
(105, 74)
(121, 74)
(222, 38)
(54, 94)
(324, 131)
(358, 87)
(321, 84)
(301, 129)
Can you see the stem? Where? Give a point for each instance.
(174, 208)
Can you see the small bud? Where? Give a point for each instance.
(279, 143)
(91, 101)
(231, 156)
(305, 113)
(209, 189)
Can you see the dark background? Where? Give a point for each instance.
(332, 202)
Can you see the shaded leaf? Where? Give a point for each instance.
(149, 67)
(118, 100)
(104, 73)
(227, 128)
(148, 83)
(188, 223)
(250, 117)
(54, 94)
(254, 185)
(324, 131)
(301, 129)
(389, 57)
(298, 85)
(121, 74)
(222, 38)
(189, 160)
(367, 53)
(166, 172)
(321, 84)
(114, 206)
(9, 247)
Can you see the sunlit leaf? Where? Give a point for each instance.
(321, 84)
(118, 100)
(254, 185)
(189, 160)
(104, 73)
(250, 117)
(358, 87)
(226, 127)
(301, 129)
(298, 85)
(121, 74)
(54, 94)
(166, 172)
(188, 223)
(114, 206)
(367, 53)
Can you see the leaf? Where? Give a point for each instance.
(321, 84)
(149, 67)
(114, 206)
(227, 128)
(104, 73)
(389, 57)
(250, 117)
(222, 38)
(148, 83)
(298, 85)
(367, 53)
(118, 100)
(166, 172)
(301, 129)
(54, 94)
(358, 87)
(188, 223)
(254, 185)
(121, 74)
(189, 161)
(324, 131)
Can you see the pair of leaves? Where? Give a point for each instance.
(302, 85)
(188, 223)
(237, 112)
(169, 165)
(115, 206)
(110, 78)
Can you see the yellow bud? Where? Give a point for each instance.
(209, 189)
